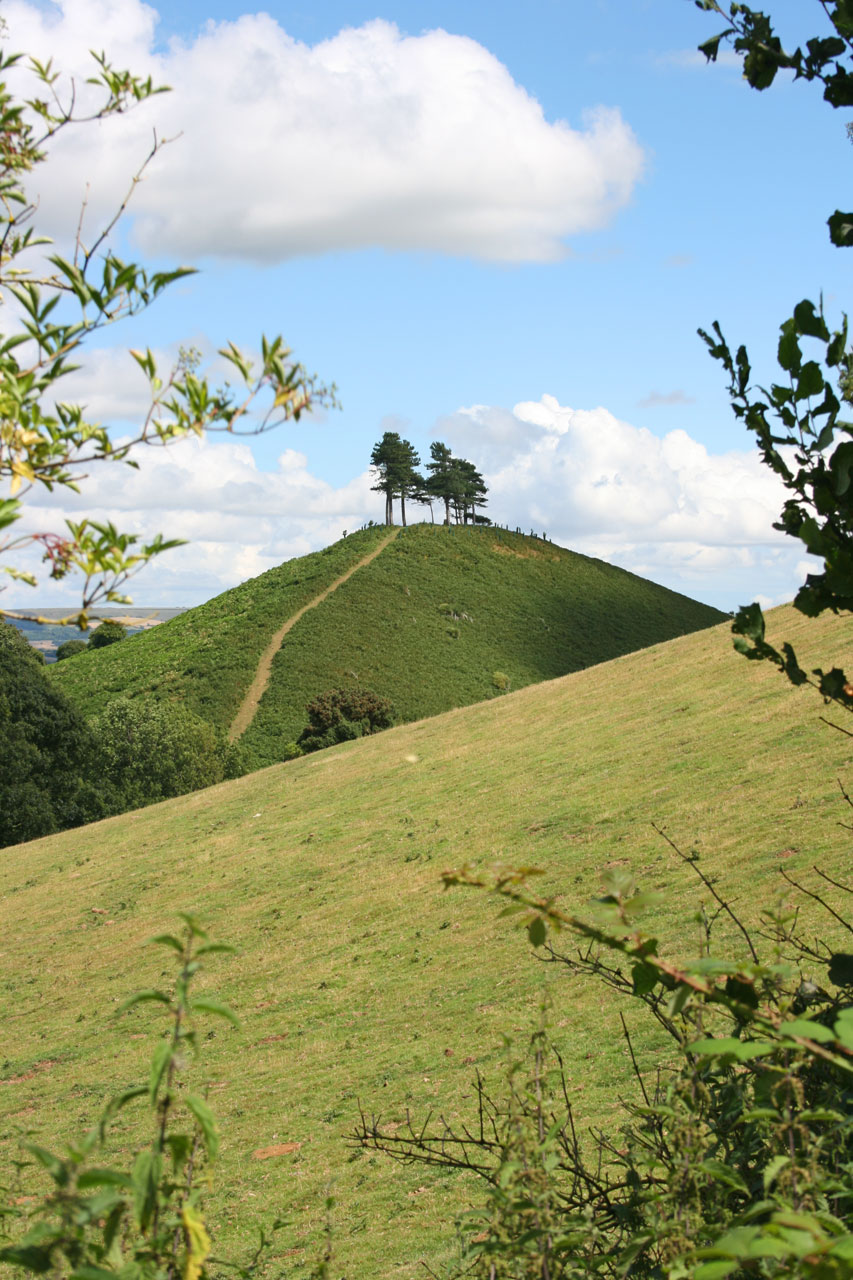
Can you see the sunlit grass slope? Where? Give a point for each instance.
(208, 655)
(356, 977)
(443, 617)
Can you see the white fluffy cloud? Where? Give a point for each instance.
(238, 520)
(370, 138)
(664, 508)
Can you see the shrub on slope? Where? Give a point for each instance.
(341, 715)
(429, 622)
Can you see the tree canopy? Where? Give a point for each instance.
(394, 461)
(45, 750)
(454, 481)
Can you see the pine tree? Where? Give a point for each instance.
(409, 480)
(384, 460)
(395, 461)
(443, 479)
(472, 489)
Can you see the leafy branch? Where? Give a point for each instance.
(47, 441)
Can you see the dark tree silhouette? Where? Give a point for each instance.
(472, 490)
(395, 461)
(443, 480)
(409, 480)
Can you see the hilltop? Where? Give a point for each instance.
(431, 617)
(356, 978)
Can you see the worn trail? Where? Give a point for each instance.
(255, 692)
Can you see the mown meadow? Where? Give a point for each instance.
(356, 978)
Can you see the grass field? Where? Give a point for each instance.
(356, 977)
(442, 618)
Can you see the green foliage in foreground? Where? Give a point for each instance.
(797, 422)
(47, 440)
(735, 1159)
(143, 1221)
(206, 657)
(429, 622)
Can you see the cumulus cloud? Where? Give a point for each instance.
(372, 137)
(238, 520)
(664, 507)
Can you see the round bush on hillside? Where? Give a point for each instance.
(340, 715)
(107, 632)
(69, 648)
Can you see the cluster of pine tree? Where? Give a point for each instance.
(454, 481)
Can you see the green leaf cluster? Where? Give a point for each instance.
(62, 302)
(734, 1158)
(143, 1217)
(799, 422)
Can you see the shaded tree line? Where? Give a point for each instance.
(60, 770)
(454, 483)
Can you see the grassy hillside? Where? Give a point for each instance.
(356, 977)
(441, 618)
(207, 656)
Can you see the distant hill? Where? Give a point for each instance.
(439, 618)
(46, 637)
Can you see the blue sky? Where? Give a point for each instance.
(438, 224)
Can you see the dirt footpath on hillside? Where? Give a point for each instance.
(255, 692)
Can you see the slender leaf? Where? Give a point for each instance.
(206, 1122)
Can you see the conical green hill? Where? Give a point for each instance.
(439, 618)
